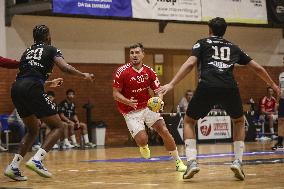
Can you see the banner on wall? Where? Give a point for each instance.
(117, 8)
(237, 11)
(186, 10)
(214, 127)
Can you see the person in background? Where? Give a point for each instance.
(185, 100)
(268, 110)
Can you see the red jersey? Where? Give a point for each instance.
(135, 83)
(268, 105)
(8, 63)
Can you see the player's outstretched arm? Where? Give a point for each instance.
(262, 73)
(9, 63)
(183, 71)
(67, 68)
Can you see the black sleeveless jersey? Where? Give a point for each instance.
(37, 61)
(216, 60)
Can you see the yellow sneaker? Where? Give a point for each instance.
(145, 152)
(180, 167)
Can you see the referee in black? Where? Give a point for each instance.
(215, 58)
(32, 103)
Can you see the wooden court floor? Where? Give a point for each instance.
(114, 168)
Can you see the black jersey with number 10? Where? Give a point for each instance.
(37, 61)
(216, 60)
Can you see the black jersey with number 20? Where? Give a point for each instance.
(216, 60)
(37, 61)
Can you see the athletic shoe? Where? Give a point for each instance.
(180, 167)
(3, 149)
(89, 145)
(56, 146)
(14, 173)
(278, 147)
(236, 167)
(76, 145)
(274, 137)
(145, 152)
(67, 146)
(192, 169)
(35, 147)
(38, 167)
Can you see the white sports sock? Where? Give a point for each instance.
(66, 141)
(86, 138)
(174, 154)
(272, 130)
(190, 149)
(73, 138)
(239, 147)
(40, 154)
(16, 161)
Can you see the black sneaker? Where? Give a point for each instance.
(278, 147)
(192, 169)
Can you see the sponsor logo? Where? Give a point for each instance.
(205, 129)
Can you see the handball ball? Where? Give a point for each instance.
(155, 104)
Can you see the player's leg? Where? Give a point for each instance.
(66, 143)
(270, 123)
(56, 129)
(84, 128)
(12, 170)
(136, 127)
(160, 127)
(71, 126)
(233, 106)
(198, 107)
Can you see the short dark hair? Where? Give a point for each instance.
(218, 26)
(140, 45)
(40, 33)
(50, 93)
(70, 91)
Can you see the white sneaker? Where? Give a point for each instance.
(14, 173)
(36, 147)
(55, 146)
(38, 167)
(236, 167)
(3, 149)
(67, 145)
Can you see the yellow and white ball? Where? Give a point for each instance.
(155, 104)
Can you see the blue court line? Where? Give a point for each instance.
(168, 158)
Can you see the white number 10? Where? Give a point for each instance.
(223, 55)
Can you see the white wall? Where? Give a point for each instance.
(2, 29)
(104, 41)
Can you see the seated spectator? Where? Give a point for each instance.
(68, 115)
(14, 120)
(268, 110)
(2, 148)
(185, 100)
(65, 144)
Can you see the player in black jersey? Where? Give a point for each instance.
(215, 58)
(33, 105)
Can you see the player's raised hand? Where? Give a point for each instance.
(276, 89)
(133, 103)
(56, 82)
(89, 76)
(164, 89)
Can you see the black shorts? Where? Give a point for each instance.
(29, 99)
(204, 99)
(281, 108)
